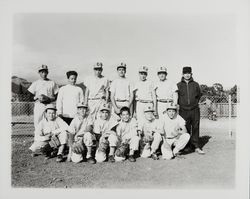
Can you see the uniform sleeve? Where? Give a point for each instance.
(152, 86)
(86, 82)
(135, 87)
(32, 88)
(59, 101)
(181, 121)
(56, 88)
(62, 124)
(39, 135)
(81, 96)
(174, 88)
(140, 126)
(112, 86)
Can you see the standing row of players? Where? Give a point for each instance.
(156, 99)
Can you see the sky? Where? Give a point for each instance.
(76, 41)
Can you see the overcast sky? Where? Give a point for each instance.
(76, 41)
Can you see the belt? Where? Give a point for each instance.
(119, 100)
(165, 100)
(96, 98)
(145, 101)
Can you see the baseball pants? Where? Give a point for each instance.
(192, 118)
(156, 137)
(37, 145)
(179, 143)
(39, 109)
(88, 140)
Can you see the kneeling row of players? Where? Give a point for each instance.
(114, 140)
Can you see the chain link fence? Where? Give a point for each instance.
(22, 113)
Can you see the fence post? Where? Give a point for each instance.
(229, 116)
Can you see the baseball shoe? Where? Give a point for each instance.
(188, 150)
(59, 158)
(111, 158)
(199, 151)
(91, 160)
(131, 158)
(154, 156)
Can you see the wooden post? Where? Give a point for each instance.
(230, 116)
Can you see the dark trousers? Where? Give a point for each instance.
(67, 120)
(192, 118)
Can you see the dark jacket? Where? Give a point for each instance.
(189, 94)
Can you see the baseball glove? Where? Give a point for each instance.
(103, 145)
(54, 142)
(78, 147)
(122, 150)
(46, 149)
(44, 99)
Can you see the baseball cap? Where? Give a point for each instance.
(122, 65)
(42, 67)
(186, 69)
(172, 106)
(50, 106)
(98, 65)
(106, 107)
(149, 109)
(162, 69)
(82, 104)
(143, 69)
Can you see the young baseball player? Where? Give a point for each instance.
(121, 92)
(44, 91)
(166, 91)
(189, 96)
(50, 126)
(103, 128)
(96, 90)
(68, 98)
(144, 93)
(81, 135)
(150, 134)
(174, 133)
(127, 136)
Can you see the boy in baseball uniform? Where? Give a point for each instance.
(127, 136)
(166, 91)
(121, 92)
(174, 133)
(96, 90)
(68, 98)
(144, 94)
(50, 126)
(104, 130)
(44, 91)
(150, 134)
(81, 133)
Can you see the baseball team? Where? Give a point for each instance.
(118, 120)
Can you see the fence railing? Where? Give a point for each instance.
(22, 112)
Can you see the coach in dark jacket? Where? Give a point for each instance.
(189, 95)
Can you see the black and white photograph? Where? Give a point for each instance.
(127, 101)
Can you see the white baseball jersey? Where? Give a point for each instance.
(149, 126)
(79, 124)
(45, 87)
(143, 90)
(121, 88)
(126, 130)
(165, 89)
(97, 86)
(46, 127)
(168, 125)
(68, 98)
(102, 126)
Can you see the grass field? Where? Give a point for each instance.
(215, 170)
